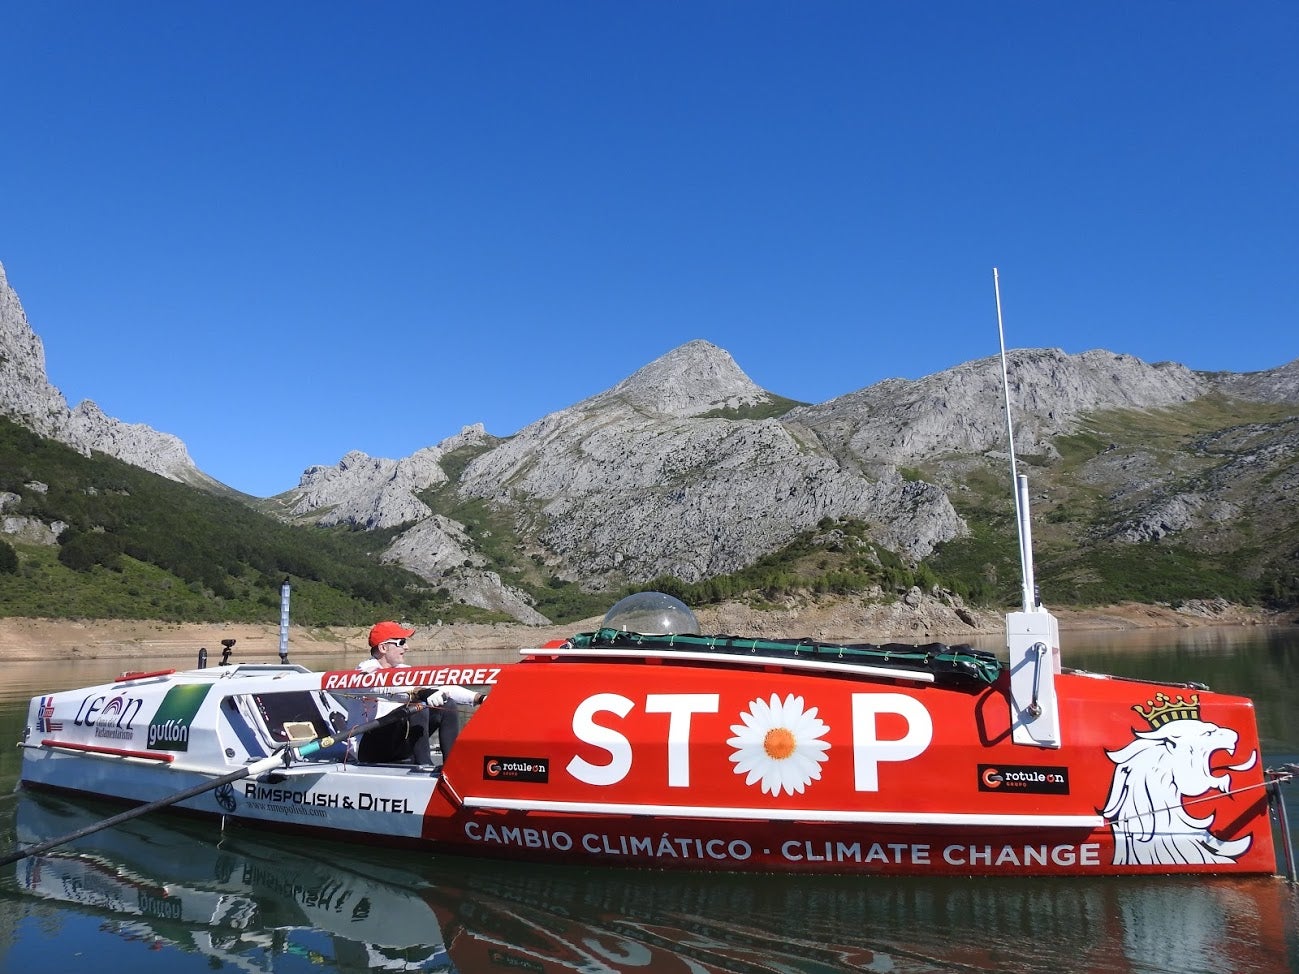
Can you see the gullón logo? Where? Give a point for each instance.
(169, 728)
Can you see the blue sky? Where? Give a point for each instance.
(285, 231)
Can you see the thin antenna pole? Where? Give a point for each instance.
(1021, 513)
(1005, 380)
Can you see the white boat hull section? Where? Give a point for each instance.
(331, 797)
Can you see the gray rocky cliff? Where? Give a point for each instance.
(1279, 385)
(636, 482)
(960, 410)
(29, 399)
(374, 492)
(368, 492)
(662, 475)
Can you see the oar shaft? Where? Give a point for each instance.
(266, 764)
(320, 743)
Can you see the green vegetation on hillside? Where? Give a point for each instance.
(1117, 465)
(778, 406)
(136, 545)
(837, 558)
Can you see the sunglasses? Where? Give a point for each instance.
(399, 643)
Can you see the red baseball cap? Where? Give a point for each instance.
(383, 631)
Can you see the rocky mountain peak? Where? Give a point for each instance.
(26, 395)
(694, 378)
(28, 398)
(375, 492)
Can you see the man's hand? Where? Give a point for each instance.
(441, 696)
(433, 696)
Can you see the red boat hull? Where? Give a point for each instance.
(668, 765)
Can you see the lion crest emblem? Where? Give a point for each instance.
(1153, 774)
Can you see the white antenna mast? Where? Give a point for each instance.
(1018, 482)
(1033, 635)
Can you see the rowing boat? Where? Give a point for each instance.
(645, 743)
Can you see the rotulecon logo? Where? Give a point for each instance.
(1024, 779)
(169, 728)
(516, 769)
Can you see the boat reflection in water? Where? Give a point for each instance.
(172, 884)
(242, 901)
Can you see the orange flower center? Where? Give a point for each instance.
(779, 743)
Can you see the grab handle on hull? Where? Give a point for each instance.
(1035, 708)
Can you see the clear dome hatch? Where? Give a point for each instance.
(651, 614)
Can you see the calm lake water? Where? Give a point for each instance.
(167, 894)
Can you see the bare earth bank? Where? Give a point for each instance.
(841, 621)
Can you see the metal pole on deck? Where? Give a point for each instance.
(284, 621)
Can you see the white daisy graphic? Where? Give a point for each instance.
(779, 744)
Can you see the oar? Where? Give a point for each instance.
(275, 760)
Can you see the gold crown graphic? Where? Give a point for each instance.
(1162, 709)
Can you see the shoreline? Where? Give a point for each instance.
(25, 639)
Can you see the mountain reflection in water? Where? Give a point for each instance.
(239, 900)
